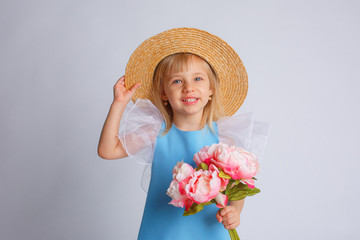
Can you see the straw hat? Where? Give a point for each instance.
(222, 58)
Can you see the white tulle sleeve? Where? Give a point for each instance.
(139, 127)
(243, 131)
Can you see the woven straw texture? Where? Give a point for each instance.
(222, 58)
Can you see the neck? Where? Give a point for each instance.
(188, 123)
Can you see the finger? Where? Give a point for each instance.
(120, 81)
(228, 221)
(218, 217)
(230, 226)
(232, 223)
(229, 218)
(134, 87)
(225, 211)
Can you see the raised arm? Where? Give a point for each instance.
(110, 146)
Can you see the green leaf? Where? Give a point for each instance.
(204, 166)
(195, 208)
(224, 175)
(240, 191)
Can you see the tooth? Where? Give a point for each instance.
(190, 100)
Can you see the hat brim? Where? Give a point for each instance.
(223, 59)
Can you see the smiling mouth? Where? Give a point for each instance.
(190, 100)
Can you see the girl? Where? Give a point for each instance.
(182, 71)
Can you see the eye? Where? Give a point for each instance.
(177, 81)
(198, 78)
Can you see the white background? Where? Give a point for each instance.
(59, 60)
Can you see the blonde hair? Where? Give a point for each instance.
(176, 63)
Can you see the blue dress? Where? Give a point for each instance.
(163, 221)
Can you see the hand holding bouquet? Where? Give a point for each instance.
(223, 174)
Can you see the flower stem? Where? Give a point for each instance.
(233, 234)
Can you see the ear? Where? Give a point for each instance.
(210, 92)
(163, 96)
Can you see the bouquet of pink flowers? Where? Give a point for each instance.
(223, 174)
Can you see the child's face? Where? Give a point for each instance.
(187, 91)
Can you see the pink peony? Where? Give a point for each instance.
(236, 162)
(181, 175)
(249, 182)
(182, 171)
(224, 181)
(179, 199)
(202, 156)
(203, 185)
(221, 200)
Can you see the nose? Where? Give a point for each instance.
(188, 87)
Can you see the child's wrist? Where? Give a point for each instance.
(118, 104)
